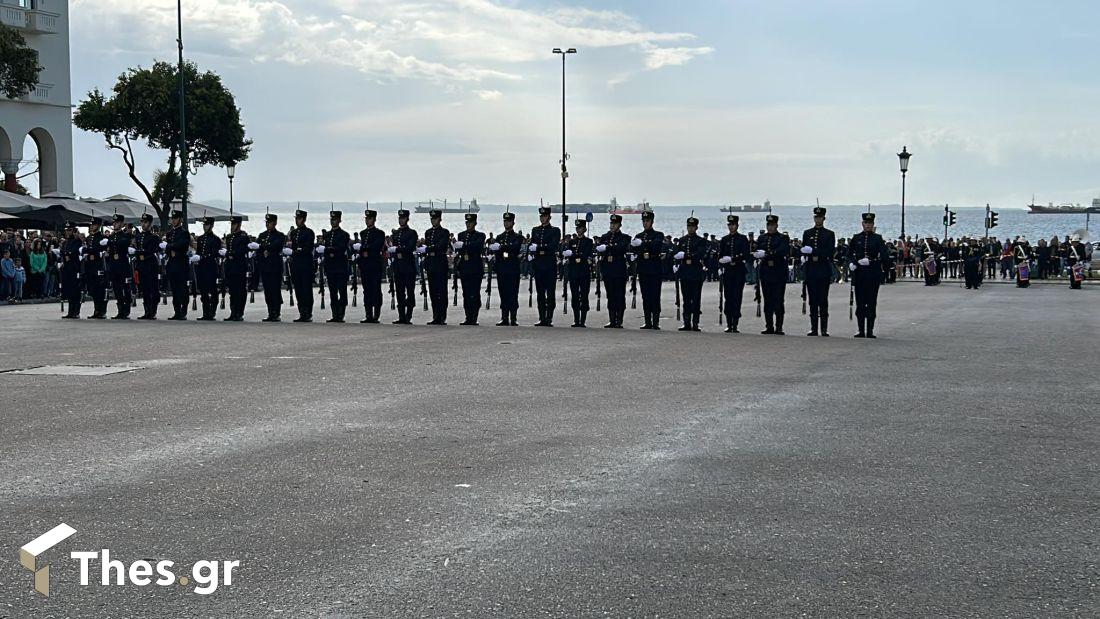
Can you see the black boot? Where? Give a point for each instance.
(870, 327)
(687, 323)
(656, 321)
(504, 322)
(824, 326)
(610, 320)
(769, 328)
(695, 323)
(779, 324)
(813, 326)
(619, 319)
(859, 324)
(514, 322)
(584, 318)
(648, 324)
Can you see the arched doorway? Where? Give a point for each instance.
(47, 160)
(8, 165)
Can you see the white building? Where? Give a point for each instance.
(45, 113)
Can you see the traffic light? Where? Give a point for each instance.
(951, 218)
(992, 219)
(945, 224)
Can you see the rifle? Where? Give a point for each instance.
(803, 290)
(221, 278)
(564, 286)
(677, 276)
(423, 285)
(851, 296)
(634, 285)
(599, 293)
(530, 277)
(721, 296)
(389, 276)
(194, 288)
(454, 278)
(162, 275)
(757, 285)
(354, 280)
(289, 284)
(251, 275)
(321, 268)
(489, 287)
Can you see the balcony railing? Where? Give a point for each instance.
(39, 94)
(13, 16)
(29, 18)
(42, 22)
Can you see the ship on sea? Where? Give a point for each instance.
(1062, 209)
(463, 207)
(587, 207)
(766, 207)
(638, 209)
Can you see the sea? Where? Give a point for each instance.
(920, 221)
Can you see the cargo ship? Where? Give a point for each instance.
(462, 207)
(1062, 209)
(766, 207)
(641, 207)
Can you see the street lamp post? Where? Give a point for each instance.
(903, 158)
(231, 171)
(564, 155)
(183, 114)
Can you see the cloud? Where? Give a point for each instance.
(488, 95)
(442, 41)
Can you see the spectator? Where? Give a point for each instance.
(36, 281)
(7, 271)
(19, 279)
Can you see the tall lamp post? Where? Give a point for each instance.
(564, 155)
(231, 171)
(183, 113)
(903, 158)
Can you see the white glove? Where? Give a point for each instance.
(194, 259)
(725, 260)
(758, 253)
(222, 252)
(636, 243)
(851, 266)
(567, 253)
(251, 254)
(675, 268)
(357, 246)
(530, 258)
(320, 249)
(533, 247)
(103, 242)
(80, 251)
(57, 252)
(807, 250)
(804, 260)
(458, 245)
(253, 246)
(494, 247)
(287, 251)
(601, 248)
(131, 251)
(163, 245)
(423, 249)
(864, 262)
(679, 255)
(392, 250)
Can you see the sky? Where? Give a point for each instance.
(675, 102)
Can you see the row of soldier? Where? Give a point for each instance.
(225, 266)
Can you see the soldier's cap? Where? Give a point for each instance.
(272, 217)
(435, 213)
(300, 214)
(772, 219)
(616, 219)
(370, 213)
(118, 219)
(146, 217)
(403, 213)
(647, 215)
(236, 219)
(544, 210)
(70, 225)
(471, 218)
(177, 214)
(336, 215)
(869, 218)
(97, 221)
(819, 211)
(732, 219)
(580, 222)
(509, 216)
(208, 221)
(693, 221)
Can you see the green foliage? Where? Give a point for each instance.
(19, 66)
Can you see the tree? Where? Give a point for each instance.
(19, 66)
(145, 106)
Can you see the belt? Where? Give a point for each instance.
(576, 259)
(814, 258)
(687, 261)
(432, 254)
(505, 255)
(542, 253)
(114, 256)
(645, 254)
(611, 258)
(771, 263)
(172, 253)
(142, 257)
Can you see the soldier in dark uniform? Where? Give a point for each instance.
(611, 250)
(435, 262)
(577, 254)
(95, 268)
(866, 253)
(236, 268)
(648, 247)
(177, 247)
(402, 252)
(506, 249)
(818, 249)
(371, 257)
(1022, 256)
(542, 252)
(733, 256)
(146, 246)
(269, 248)
(972, 263)
(71, 254)
(690, 251)
(1075, 259)
(336, 248)
(118, 262)
(303, 267)
(772, 250)
(208, 250)
(932, 263)
(469, 248)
